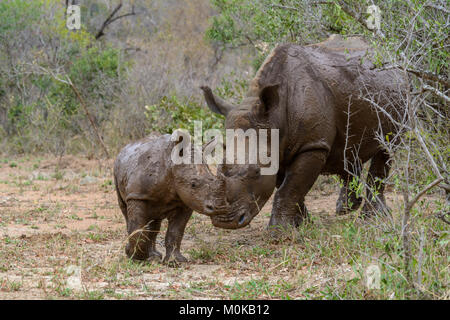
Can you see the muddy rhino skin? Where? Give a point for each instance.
(150, 188)
(319, 97)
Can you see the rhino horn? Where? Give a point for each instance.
(215, 103)
(213, 142)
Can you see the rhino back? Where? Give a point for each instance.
(319, 85)
(143, 169)
(353, 81)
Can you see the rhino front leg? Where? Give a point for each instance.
(174, 235)
(153, 227)
(142, 232)
(288, 207)
(378, 171)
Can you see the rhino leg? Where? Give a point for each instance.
(378, 171)
(348, 201)
(142, 232)
(175, 231)
(288, 206)
(153, 227)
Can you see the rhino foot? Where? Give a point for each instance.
(154, 256)
(175, 258)
(289, 219)
(282, 224)
(135, 252)
(283, 227)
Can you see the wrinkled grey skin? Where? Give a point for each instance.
(306, 92)
(150, 188)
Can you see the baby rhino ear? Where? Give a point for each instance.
(269, 97)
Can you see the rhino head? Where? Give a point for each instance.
(247, 189)
(197, 186)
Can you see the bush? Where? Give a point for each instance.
(36, 98)
(171, 113)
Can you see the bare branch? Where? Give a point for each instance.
(434, 110)
(423, 74)
(110, 19)
(421, 193)
(445, 186)
(69, 82)
(443, 218)
(436, 92)
(428, 154)
(352, 13)
(419, 271)
(399, 124)
(430, 76)
(86, 110)
(440, 8)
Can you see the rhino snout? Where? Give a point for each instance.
(233, 221)
(211, 208)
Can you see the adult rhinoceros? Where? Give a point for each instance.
(330, 105)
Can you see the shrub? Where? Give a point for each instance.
(173, 113)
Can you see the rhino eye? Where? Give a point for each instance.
(194, 184)
(255, 172)
(227, 173)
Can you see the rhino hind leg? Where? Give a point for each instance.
(175, 231)
(375, 202)
(348, 200)
(142, 232)
(288, 208)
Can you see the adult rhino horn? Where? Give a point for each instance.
(215, 103)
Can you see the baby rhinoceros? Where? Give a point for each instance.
(150, 188)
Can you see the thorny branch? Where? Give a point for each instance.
(69, 82)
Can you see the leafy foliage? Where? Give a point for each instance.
(35, 94)
(171, 113)
(265, 23)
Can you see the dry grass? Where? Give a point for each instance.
(55, 214)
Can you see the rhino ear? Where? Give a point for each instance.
(215, 103)
(269, 97)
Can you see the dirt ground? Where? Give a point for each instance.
(62, 236)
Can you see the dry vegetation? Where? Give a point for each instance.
(58, 209)
(55, 214)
